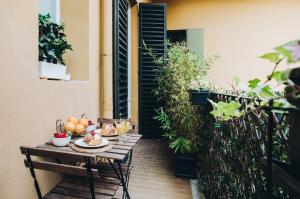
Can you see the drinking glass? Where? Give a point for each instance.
(121, 128)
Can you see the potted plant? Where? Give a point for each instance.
(180, 70)
(52, 46)
(185, 158)
(200, 88)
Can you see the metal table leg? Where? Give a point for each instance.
(36, 184)
(90, 177)
(124, 178)
(128, 171)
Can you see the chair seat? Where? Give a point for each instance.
(72, 187)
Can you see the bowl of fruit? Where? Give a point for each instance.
(61, 137)
(79, 126)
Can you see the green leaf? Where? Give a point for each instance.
(277, 76)
(181, 145)
(266, 91)
(254, 83)
(281, 76)
(286, 53)
(225, 111)
(273, 57)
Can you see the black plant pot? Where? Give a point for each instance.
(294, 142)
(199, 97)
(185, 166)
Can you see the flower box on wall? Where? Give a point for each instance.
(52, 71)
(199, 97)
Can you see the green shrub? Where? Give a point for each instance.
(180, 70)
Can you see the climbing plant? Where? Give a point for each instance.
(235, 136)
(230, 157)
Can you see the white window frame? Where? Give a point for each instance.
(54, 9)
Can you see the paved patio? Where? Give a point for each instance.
(152, 176)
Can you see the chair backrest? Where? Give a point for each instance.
(102, 121)
(57, 155)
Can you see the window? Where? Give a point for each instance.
(52, 7)
(193, 37)
(55, 62)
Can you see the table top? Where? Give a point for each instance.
(119, 151)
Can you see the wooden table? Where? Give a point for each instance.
(119, 158)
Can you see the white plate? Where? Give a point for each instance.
(80, 142)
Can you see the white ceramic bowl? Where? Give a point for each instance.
(61, 141)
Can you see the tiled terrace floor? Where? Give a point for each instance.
(152, 176)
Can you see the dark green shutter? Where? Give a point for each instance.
(120, 58)
(153, 34)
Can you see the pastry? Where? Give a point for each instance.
(93, 139)
(108, 130)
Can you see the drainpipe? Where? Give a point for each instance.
(106, 80)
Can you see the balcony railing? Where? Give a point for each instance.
(230, 158)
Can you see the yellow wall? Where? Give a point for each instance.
(134, 62)
(75, 15)
(29, 106)
(237, 30)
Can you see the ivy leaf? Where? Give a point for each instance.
(233, 106)
(281, 76)
(277, 76)
(266, 91)
(254, 83)
(273, 57)
(225, 111)
(285, 52)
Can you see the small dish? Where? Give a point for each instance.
(60, 142)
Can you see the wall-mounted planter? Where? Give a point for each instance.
(185, 166)
(52, 71)
(199, 97)
(294, 141)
